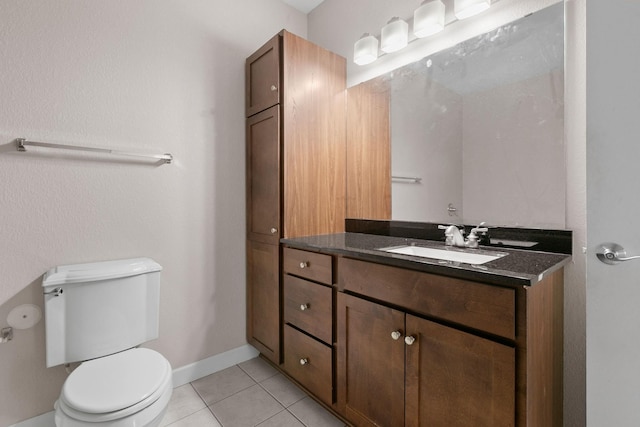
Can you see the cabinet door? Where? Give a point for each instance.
(263, 177)
(370, 363)
(262, 77)
(457, 379)
(263, 298)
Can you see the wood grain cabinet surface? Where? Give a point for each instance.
(295, 168)
(416, 349)
(426, 374)
(308, 318)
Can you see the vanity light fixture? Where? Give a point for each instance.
(395, 35)
(428, 19)
(365, 50)
(466, 8)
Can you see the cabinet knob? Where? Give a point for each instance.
(274, 230)
(409, 340)
(396, 335)
(274, 88)
(304, 361)
(304, 264)
(304, 307)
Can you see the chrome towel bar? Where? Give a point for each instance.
(410, 179)
(22, 143)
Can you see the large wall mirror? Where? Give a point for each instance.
(472, 133)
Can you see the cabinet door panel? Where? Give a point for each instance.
(262, 77)
(458, 379)
(263, 298)
(370, 364)
(263, 176)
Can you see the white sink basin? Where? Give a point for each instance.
(445, 254)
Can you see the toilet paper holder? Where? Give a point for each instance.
(6, 334)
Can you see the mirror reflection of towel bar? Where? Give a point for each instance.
(408, 179)
(22, 143)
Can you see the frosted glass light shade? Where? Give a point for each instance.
(466, 8)
(395, 35)
(365, 51)
(428, 19)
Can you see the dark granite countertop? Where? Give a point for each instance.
(519, 267)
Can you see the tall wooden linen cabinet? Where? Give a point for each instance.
(295, 160)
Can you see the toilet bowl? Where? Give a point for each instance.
(128, 389)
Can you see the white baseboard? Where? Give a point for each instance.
(181, 376)
(212, 364)
(44, 420)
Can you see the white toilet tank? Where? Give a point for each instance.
(96, 309)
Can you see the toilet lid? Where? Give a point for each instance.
(115, 382)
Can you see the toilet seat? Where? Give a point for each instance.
(116, 386)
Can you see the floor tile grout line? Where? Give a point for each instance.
(239, 391)
(278, 400)
(191, 413)
(274, 415)
(256, 382)
(251, 376)
(214, 415)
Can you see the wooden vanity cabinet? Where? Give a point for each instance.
(417, 349)
(295, 160)
(308, 320)
(444, 378)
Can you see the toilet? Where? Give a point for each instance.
(98, 314)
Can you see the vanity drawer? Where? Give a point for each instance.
(476, 305)
(309, 362)
(308, 306)
(310, 265)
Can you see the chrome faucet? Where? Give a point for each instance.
(472, 239)
(453, 235)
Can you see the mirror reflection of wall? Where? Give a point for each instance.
(480, 124)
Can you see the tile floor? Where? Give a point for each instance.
(252, 393)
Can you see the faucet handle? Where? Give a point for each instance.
(484, 237)
(450, 227)
(479, 230)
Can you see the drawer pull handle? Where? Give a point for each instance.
(274, 230)
(304, 264)
(409, 340)
(304, 307)
(304, 361)
(274, 88)
(396, 335)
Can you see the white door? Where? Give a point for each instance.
(613, 211)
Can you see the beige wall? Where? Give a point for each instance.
(153, 76)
